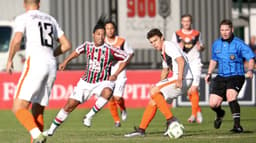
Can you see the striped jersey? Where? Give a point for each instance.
(99, 60)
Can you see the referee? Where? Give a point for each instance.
(229, 53)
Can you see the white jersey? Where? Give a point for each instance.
(123, 45)
(170, 52)
(41, 32)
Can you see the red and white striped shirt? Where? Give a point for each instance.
(99, 60)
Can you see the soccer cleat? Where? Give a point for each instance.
(237, 129)
(218, 120)
(117, 124)
(168, 122)
(40, 139)
(192, 119)
(199, 117)
(124, 115)
(87, 121)
(47, 133)
(138, 132)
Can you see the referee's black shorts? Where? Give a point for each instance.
(219, 85)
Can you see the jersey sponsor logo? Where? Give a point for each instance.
(232, 57)
(189, 40)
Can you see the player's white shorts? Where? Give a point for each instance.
(84, 90)
(119, 87)
(196, 69)
(36, 81)
(169, 90)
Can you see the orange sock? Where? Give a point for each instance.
(40, 121)
(162, 105)
(113, 110)
(121, 103)
(148, 115)
(26, 119)
(194, 98)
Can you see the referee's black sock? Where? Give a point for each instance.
(235, 110)
(219, 111)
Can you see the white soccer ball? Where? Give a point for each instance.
(175, 130)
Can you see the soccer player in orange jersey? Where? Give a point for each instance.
(190, 41)
(41, 32)
(117, 100)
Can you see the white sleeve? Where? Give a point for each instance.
(200, 40)
(59, 31)
(127, 48)
(172, 49)
(20, 24)
(174, 37)
(81, 48)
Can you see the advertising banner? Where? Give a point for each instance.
(136, 90)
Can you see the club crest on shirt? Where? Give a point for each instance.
(232, 57)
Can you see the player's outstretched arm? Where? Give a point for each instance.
(64, 46)
(14, 47)
(63, 65)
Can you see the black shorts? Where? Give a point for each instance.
(219, 85)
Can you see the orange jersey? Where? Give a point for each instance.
(121, 44)
(118, 43)
(189, 39)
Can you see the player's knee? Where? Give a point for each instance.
(152, 102)
(231, 96)
(193, 89)
(107, 93)
(154, 90)
(117, 98)
(212, 103)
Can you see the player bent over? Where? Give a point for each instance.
(96, 80)
(168, 88)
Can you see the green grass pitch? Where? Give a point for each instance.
(103, 130)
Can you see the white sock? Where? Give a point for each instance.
(97, 106)
(59, 119)
(35, 132)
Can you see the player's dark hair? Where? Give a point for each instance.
(110, 22)
(154, 32)
(187, 15)
(32, 1)
(100, 23)
(226, 22)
